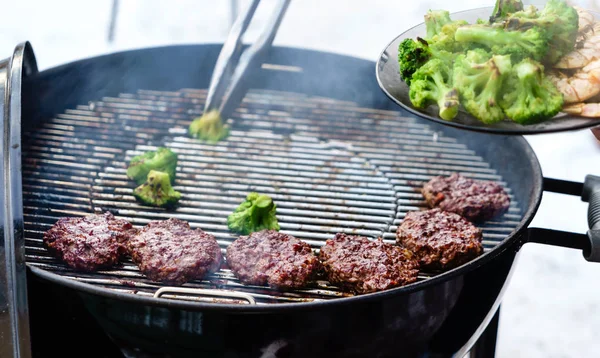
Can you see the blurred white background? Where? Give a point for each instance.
(551, 306)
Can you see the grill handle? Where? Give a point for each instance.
(589, 243)
(14, 315)
(205, 292)
(591, 194)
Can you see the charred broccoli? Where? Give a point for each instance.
(157, 190)
(256, 213)
(557, 18)
(433, 83)
(412, 55)
(163, 159)
(479, 77)
(504, 8)
(520, 44)
(209, 127)
(530, 97)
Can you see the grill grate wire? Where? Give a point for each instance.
(330, 166)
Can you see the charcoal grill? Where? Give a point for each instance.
(332, 151)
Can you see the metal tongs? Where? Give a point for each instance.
(228, 84)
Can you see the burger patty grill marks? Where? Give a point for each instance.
(272, 258)
(439, 240)
(358, 264)
(89, 243)
(171, 252)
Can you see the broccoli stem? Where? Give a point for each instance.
(435, 20)
(447, 98)
(505, 7)
(485, 35)
(530, 43)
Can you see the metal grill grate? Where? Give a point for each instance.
(330, 166)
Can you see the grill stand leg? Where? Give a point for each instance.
(485, 347)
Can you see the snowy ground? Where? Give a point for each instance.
(551, 307)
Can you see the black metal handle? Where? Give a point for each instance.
(591, 194)
(563, 186)
(566, 239)
(590, 243)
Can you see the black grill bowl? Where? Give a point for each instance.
(439, 315)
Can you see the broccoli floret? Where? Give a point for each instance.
(529, 96)
(519, 44)
(433, 83)
(209, 127)
(256, 213)
(434, 20)
(157, 190)
(412, 55)
(444, 39)
(530, 12)
(163, 159)
(503, 8)
(557, 18)
(440, 31)
(478, 76)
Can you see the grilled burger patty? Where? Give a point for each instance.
(439, 240)
(171, 252)
(272, 258)
(89, 243)
(361, 265)
(475, 200)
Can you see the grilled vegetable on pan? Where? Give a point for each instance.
(481, 79)
(530, 97)
(504, 68)
(433, 83)
(412, 54)
(503, 8)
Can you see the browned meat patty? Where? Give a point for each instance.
(358, 264)
(272, 258)
(439, 240)
(89, 243)
(169, 251)
(475, 200)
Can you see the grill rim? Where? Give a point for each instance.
(519, 144)
(516, 144)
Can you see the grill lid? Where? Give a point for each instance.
(330, 165)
